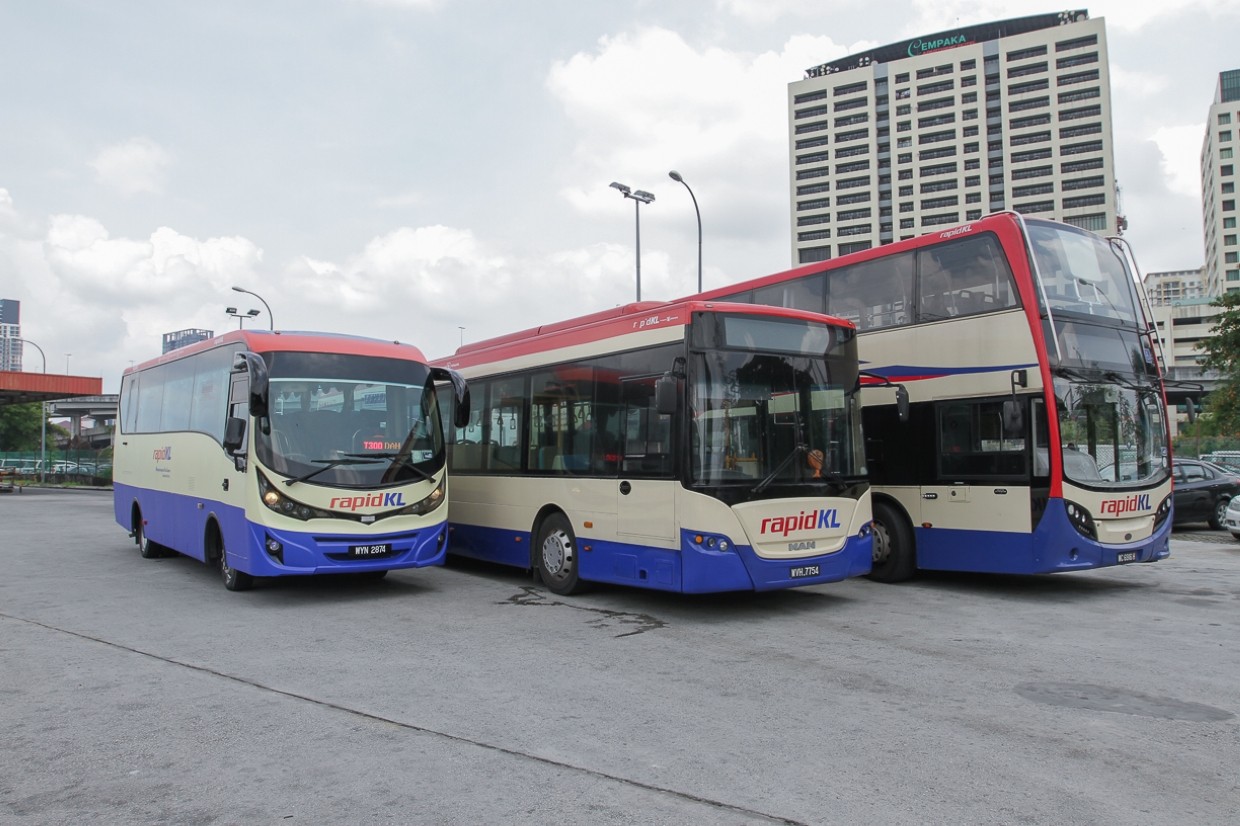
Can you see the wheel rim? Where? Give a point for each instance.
(143, 542)
(1220, 512)
(227, 572)
(882, 543)
(557, 554)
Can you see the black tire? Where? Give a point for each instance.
(555, 556)
(233, 579)
(1218, 516)
(895, 552)
(147, 548)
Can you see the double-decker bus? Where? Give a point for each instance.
(690, 447)
(1037, 440)
(277, 453)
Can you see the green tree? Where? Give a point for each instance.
(1222, 353)
(20, 426)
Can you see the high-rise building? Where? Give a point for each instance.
(1172, 286)
(1218, 186)
(10, 334)
(183, 338)
(942, 129)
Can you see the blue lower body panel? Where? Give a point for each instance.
(1054, 547)
(692, 569)
(177, 522)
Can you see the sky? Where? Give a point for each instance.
(436, 171)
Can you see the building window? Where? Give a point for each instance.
(816, 157)
(1031, 103)
(1034, 206)
(1226, 169)
(937, 186)
(812, 112)
(1025, 88)
(1079, 94)
(973, 180)
(1081, 112)
(810, 143)
(1083, 183)
(816, 126)
(967, 81)
(811, 220)
(905, 175)
(1228, 188)
(937, 137)
(1085, 200)
(972, 163)
(1224, 153)
(1032, 120)
(904, 126)
(1025, 71)
(1078, 131)
(1233, 275)
(938, 169)
(1081, 148)
(852, 120)
(1231, 257)
(1076, 60)
(969, 132)
(817, 203)
(1032, 172)
(903, 94)
(853, 183)
(852, 215)
(849, 89)
(1224, 135)
(1080, 166)
(973, 198)
(906, 191)
(858, 198)
(1025, 54)
(1032, 189)
(859, 229)
(904, 157)
(1229, 240)
(939, 203)
(806, 174)
(931, 154)
(1094, 222)
(1229, 206)
(1078, 77)
(1229, 223)
(904, 109)
(852, 166)
(939, 220)
(907, 223)
(938, 103)
(855, 103)
(906, 207)
(935, 88)
(1077, 43)
(811, 254)
(855, 246)
(968, 64)
(813, 189)
(852, 151)
(814, 235)
(854, 135)
(1032, 137)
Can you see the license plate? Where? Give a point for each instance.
(370, 550)
(1126, 556)
(804, 570)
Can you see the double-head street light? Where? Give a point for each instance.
(639, 197)
(241, 317)
(270, 318)
(675, 176)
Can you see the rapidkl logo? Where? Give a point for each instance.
(804, 521)
(1129, 504)
(163, 454)
(370, 500)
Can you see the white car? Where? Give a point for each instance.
(1231, 521)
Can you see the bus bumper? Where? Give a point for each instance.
(309, 553)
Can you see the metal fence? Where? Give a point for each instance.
(73, 466)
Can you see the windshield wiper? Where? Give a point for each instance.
(405, 461)
(770, 477)
(328, 464)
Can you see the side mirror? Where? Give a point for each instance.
(665, 396)
(902, 402)
(234, 434)
(257, 368)
(460, 388)
(1191, 404)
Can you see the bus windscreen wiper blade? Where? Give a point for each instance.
(328, 464)
(404, 460)
(770, 477)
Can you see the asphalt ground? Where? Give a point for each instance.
(140, 691)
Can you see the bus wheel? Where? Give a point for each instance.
(234, 580)
(556, 556)
(895, 557)
(147, 548)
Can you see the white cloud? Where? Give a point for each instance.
(1181, 150)
(138, 165)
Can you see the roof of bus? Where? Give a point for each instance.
(265, 341)
(611, 323)
(998, 222)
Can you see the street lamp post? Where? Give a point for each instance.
(675, 176)
(43, 417)
(241, 317)
(270, 318)
(639, 197)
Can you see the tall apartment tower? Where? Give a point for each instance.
(1218, 186)
(1174, 286)
(945, 128)
(10, 334)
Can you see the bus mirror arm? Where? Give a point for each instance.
(902, 404)
(1013, 415)
(234, 435)
(460, 389)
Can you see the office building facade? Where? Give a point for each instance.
(1218, 186)
(943, 129)
(10, 335)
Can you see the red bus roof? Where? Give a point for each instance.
(999, 223)
(264, 341)
(611, 323)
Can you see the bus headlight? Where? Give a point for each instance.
(433, 500)
(1081, 519)
(287, 506)
(1164, 510)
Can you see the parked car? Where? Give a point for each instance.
(1203, 492)
(1231, 521)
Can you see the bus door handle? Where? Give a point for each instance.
(224, 485)
(625, 487)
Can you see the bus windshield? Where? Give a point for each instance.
(350, 421)
(1081, 273)
(1112, 434)
(776, 403)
